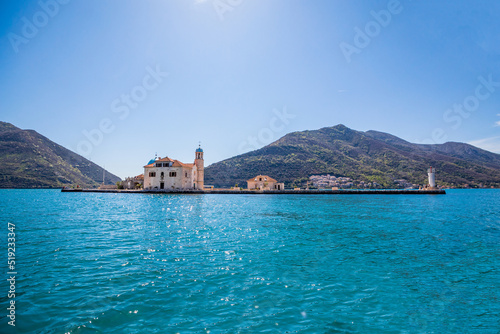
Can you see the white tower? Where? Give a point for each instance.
(198, 161)
(432, 178)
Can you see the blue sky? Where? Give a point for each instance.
(121, 80)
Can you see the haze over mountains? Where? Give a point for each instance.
(30, 160)
(369, 156)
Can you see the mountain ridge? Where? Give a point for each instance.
(31, 160)
(370, 156)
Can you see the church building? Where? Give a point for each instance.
(170, 174)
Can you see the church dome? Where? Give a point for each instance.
(199, 149)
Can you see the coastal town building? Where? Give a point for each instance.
(331, 181)
(135, 182)
(339, 182)
(170, 174)
(264, 182)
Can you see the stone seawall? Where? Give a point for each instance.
(271, 192)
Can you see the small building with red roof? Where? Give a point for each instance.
(264, 182)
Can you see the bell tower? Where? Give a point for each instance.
(198, 161)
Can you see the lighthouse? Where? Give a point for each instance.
(432, 177)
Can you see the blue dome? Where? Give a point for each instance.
(151, 161)
(199, 149)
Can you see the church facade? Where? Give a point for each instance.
(170, 174)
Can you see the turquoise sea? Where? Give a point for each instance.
(143, 263)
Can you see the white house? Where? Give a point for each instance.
(170, 174)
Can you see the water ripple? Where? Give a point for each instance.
(109, 263)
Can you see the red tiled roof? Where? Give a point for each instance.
(165, 159)
(175, 163)
(269, 179)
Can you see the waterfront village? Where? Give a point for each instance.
(166, 174)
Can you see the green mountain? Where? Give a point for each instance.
(30, 160)
(363, 156)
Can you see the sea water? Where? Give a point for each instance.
(158, 263)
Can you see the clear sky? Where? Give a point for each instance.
(120, 80)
